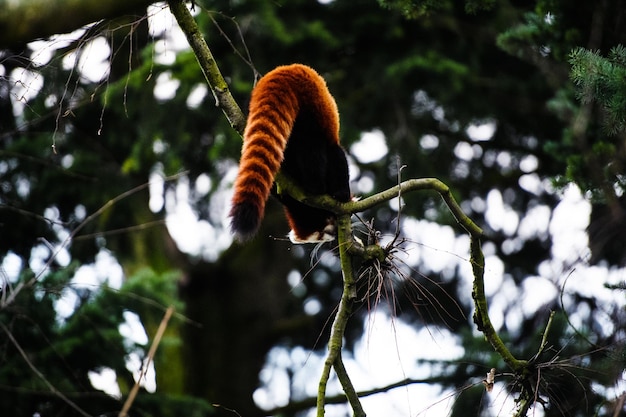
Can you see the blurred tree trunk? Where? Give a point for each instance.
(26, 20)
(242, 303)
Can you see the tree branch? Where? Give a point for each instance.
(41, 376)
(145, 367)
(481, 314)
(219, 87)
(348, 388)
(352, 207)
(335, 343)
(307, 403)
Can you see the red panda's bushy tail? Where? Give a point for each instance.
(275, 104)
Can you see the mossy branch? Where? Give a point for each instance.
(352, 207)
(219, 87)
(477, 260)
(344, 310)
(481, 313)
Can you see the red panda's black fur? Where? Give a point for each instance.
(293, 125)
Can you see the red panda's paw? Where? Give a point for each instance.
(328, 234)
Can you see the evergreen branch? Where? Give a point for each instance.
(601, 80)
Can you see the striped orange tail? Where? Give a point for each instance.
(290, 103)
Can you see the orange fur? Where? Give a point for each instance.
(291, 113)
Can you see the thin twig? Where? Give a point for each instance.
(341, 398)
(155, 343)
(41, 376)
(544, 337)
(619, 405)
(29, 283)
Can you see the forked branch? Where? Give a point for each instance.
(344, 310)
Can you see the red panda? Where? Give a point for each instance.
(293, 125)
